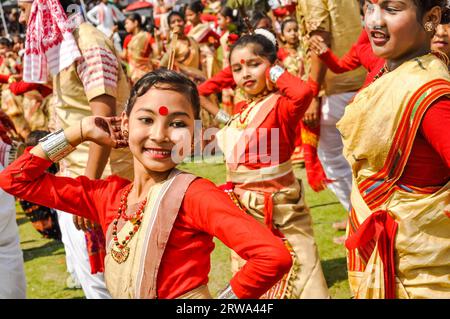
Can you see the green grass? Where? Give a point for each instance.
(45, 260)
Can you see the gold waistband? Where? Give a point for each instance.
(244, 175)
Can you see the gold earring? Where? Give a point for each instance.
(429, 26)
(125, 133)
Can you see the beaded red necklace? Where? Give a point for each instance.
(254, 101)
(380, 73)
(244, 120)
(123, 251)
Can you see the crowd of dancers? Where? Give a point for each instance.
(100, 103)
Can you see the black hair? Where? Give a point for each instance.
(6, 42)
(423, 6)
(34, 137)
(66, 3)
(135, 17)
(195, 6)
(174, 13)
(227, 12)
(33, 140)
(285, 22)
(262, 46)
(257, 17)
(171, 80)
(361, 6)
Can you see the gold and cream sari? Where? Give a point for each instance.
(132, 273)
(139, 64)
(398, 235)
(273, 196)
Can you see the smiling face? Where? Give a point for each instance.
(394, 28)
(249, 69)
(161, 128)
(441, 40)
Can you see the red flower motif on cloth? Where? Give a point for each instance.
(49, 41)
(50, 23)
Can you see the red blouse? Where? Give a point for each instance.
(222, 80)
(282, 54)
(288, 111)
(360, 54)
(21, 87)
(429, 162)
(4, 78)
(186, 261)
(148, 48)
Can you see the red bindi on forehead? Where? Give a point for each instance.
(163, 110)
(242, 61)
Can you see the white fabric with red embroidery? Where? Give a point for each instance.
(49, 45)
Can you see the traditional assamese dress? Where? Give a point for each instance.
(262, 179)
(187, 58)
(229, 97)
(398, 230)
(169, 256)
(11, 104)
(35, 103)
(307, 139)
(139, 49)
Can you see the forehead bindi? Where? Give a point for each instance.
(244, 55)
(163, 110)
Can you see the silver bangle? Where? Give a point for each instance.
(222, 117)
(56, 146)
(275, 72)
(227, 293)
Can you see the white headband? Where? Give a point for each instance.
(269, 35)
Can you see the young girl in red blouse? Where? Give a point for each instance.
(159, 228)
(290, 54)
(261, 176)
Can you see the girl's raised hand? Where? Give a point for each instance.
(103, 131)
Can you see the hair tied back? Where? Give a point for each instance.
(267, 34)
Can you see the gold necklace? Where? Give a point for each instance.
(121, 252)
(249, 108)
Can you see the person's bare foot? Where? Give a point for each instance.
(342, 225)
(339, 240)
